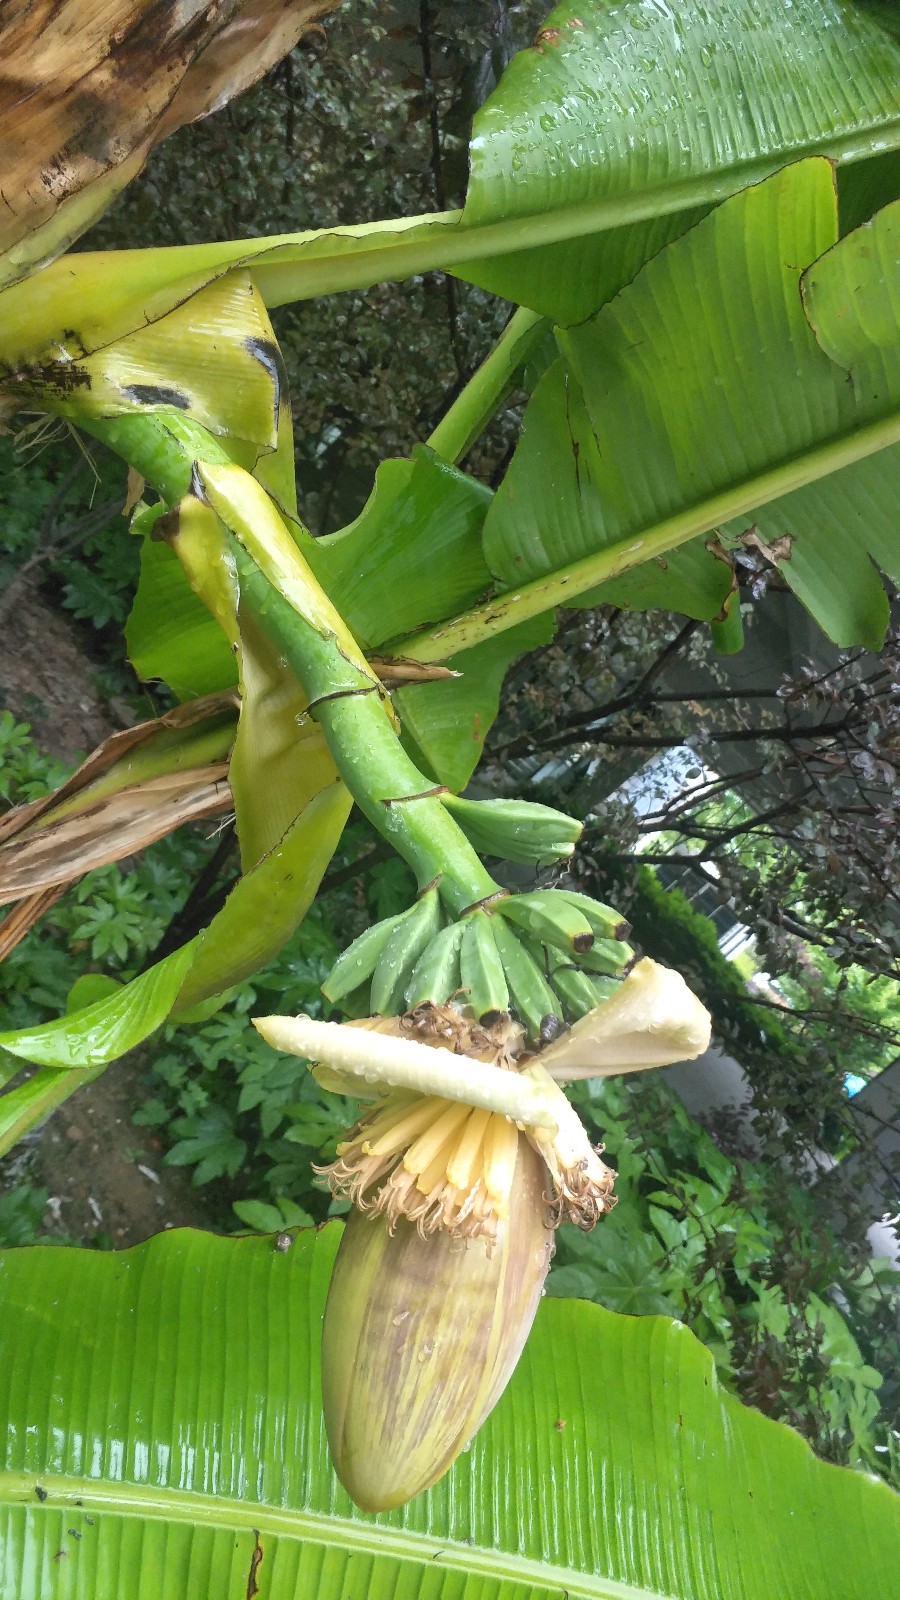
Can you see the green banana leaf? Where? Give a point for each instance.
(268, 902)
(702, 397)
(852, 298)
(162, 1436)
(170, 634)
(414, 551)
(97, 1033)
(608, 139)
(76, 1048)
(638, 117)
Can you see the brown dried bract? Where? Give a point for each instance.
(499, 1042)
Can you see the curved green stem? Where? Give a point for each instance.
(474, 406)
(345, 697)
(372, 762)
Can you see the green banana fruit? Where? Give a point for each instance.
(547, 916)
(577, 990)
(605, 987)
(480, 966)
(606, 921)
(355, 965)
(607, 956)
(516, 830)
(436, 975)
(407, 941)
(532, 995)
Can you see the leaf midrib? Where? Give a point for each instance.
(462, 243)
(383, 251)
(563, 585)
(375, 1539)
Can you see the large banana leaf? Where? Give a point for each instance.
(414, 551)
(160, 1412)
(702, 394)
(617, 131)
(639, 116)
(446, 723)
(852, 298)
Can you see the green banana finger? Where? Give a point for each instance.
(550, 918)
(577, 990)
(356, 964)
(399, 955)
(481, 969)
(532, 995)
(606, 921)
(608, 956)
(605, 987)
(516, 830)
(436, 975)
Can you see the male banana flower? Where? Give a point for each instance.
(468, 1159)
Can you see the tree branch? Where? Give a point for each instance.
(810, 1013)
(670, 741)
(525, 743)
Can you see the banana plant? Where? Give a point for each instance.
(693, 213)
(624, 160)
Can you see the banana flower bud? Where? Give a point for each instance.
(469, 1158)
(422, 1334)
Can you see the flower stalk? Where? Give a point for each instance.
(345, 695)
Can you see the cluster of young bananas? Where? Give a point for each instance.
(550, 953)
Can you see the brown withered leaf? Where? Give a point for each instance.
(51, 854)
(134, 488)
(112, 750)
(776, 550)
(14, 927)
(87, 90)
(256, 38)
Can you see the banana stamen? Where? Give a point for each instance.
(449, 1164)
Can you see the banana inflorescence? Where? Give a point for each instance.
(551, 953)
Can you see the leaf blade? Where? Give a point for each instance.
(158, 1352)
(648, 116)
(660, 423)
